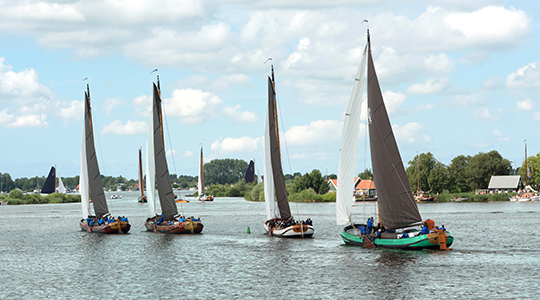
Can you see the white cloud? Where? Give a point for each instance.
(431, 86)
(394, 102)
(526, 104)
(193, 106)
(130, 128)
(110, 103)
(536, 115)
(219, 84)
(239, 116)
(410, 133)
(22, 86)
(317, 132)
(484, 114)
(187, 154)
(525, 77)
(143, 105)
(71, 111)
(234, 145)
(425, 106)
(466, 100)
(171, 152)
(500, 135)
(28, 121)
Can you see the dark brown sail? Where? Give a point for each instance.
(396, 204)
(94, 177)
(166, 196)
(279, 180)
(141, 176)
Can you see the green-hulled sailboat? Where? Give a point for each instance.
(399, 218)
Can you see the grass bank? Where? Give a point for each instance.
(16, 197)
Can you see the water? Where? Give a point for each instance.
(44, 254)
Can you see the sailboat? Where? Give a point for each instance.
(399, 217)
(142, 198)
(200, 182)
(280, 221)
(156, 169)
(50, 182)
(420, 197)
(250, 172)
(91, 185)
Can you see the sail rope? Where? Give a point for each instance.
(169, 136)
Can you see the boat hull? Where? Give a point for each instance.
(206, 198)
(143, 199)
(114, 227)
(419, 242)
(295, 231)
(187, 227)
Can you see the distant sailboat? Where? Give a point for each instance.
(200, 183)
(142, 198)
(91, 185)
(280, 221)
(398, 213)
(50, 182)
(169, 221)
(250, 172)
(259, 177)
(61, 187)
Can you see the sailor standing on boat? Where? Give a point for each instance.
(370, 225)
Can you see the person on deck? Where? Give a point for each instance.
(370, 225)
(404, 235)
(442, 227)
(424, 230)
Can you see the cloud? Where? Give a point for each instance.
(71, 111)
(130, 128)
(526, 105)
(466, 100)
(22, 86)
(484, 114)
(410, 133)
(536, 115)
(424, 106)
(317, 132)
(431, 86)
(525, 77)
(500, 135)
(234, 145)
(171, 152)
(394, 102)
(219, 84)
(28, 121)
(187, 154)
(143, 105)
(493, 82)
(110, 103)
(193, 106)
(239, 116)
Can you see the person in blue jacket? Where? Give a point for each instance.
(424, 230)
(370, 225)
(404, 235)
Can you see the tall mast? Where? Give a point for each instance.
(275, 110)
(418, 171)
(526, 168)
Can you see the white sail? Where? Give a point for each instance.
(259, 177)
(83, 181)
(151, 169)
(348, 149)
(271, 211)
(61, 187)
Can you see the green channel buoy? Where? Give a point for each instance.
(248, 231)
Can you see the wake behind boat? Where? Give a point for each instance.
(90, 184)
(399, 217)
(169, 221)
(280, 221)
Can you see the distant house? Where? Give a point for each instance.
(367, 188)
(136, 187)
(333, 184)
(505, 183)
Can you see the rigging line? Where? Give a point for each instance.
(284, 135)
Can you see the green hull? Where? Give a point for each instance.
(424, 241)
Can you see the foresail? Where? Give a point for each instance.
(83, 181)
(259, 177)
(348, 149)
(396, 203)
(94, 178)
(271, 209)
(150, 169)
(141, 176)
(277, 171)
(200, 182)
(166, 196)
(61, 187)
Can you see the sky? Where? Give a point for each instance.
(458, 77)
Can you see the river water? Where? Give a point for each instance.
(44, 254)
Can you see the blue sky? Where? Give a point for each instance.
(459, 77)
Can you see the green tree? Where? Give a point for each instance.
(438, 178)
(426, 162)
(458, 180)
(224, 171)
(533, 164)
(313, 180)
(367, 174)
(484, 165)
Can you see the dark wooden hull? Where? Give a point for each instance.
(188, 227)
(114, 227)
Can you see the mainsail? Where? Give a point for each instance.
(277, 172)
(61, 187)
(166, 195)
(396, 204)
(349, 145)
(151, 169)
(141, 181)
(200, 183)
(250, 172)
(95, 185)
(50, 182)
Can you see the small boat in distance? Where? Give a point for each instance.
(250, 172)
(91, 185)
(142, 198)
(280, 221)
(200, 183)
(50, 182)
(399, 217)
(169, 221)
